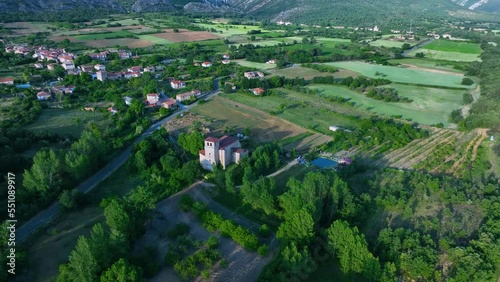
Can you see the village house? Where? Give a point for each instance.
(42, 96)
(112, 110)
(99, 56)
(222, 151)
(149, 69)
(135, 69)
(188, 95)
(100, 67)
(65, 58)
(51, 66)
(225, 62)
(127, 100)
(152, 99)
(63, 89)
(272, 61)
(7, 81)
(38, 66)
(68, 65)
(206, 64)
(226, 56)
(169, 103)
(177, 84)
(257, 91)
(253, 74)
(131, 74)
(87, 68)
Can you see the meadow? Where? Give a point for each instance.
(154, 39)
(454, 46)
(99, 36)
(431, 64)
(387, 43)
(296, 71)
(404, 75)
(248, 64)
(429, 106)
(230, 30)
(447, 56)
(65, 122)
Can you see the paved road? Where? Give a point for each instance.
(405, 53)
(42, 217)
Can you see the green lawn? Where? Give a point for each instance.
(100, 36)
(404, 75)
(447, 56)
(65, 122)
(387, 43)
(429, 106)
(154, 39)
(262, 66)
(454, 46)
(229, 30)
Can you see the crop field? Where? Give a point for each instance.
(387, 43)
(404, 75)
(185, 35)
(99, 36)
(154, 39)
(454, 46)
(306, 115)
(25, 28)
(429, 106)
(65, 122)
(264, 127)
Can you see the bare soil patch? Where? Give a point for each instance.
(409, 66)
(130, 42)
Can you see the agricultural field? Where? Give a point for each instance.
(248, 64)
(430, 64)
(100, 36)
(65, 122)
(450, 51)
(230, 30)
(26, 28)
(429, 106)
(387, 43)
(226, 113)
(154, 39)
(311, 116)
(185, 35)
(447, 56)
(404, 75)
(298, 71)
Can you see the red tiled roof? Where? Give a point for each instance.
(6, 79)
(169, 101)
(202, 152)
(152, 95)
(211, 139)
(227, 141)
(239, 150)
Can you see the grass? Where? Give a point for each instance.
(125, 22)
(431, 64)
(297, 112)
(454, 46)
(230, 30)
(65, 122)
(261, 66)
(297, 171)
(61, 235)
(404, 75)
(447, 56)
(8, 73)
(294, 72)
(154, 39)
(387, 43)
(99, 36)
(264, 127)
(429, 106)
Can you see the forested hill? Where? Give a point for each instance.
(304, 11)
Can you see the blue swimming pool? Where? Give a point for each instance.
(324, 163)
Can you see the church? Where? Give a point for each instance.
(224, 150)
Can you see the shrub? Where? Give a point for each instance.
(467, 81)
(212, 242)
(263, 250)
(199, 208)
(186, 203)
(264, 231)
(179, 230)
(467, 98)
(205, 274)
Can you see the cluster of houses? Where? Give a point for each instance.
(55, 90)
(102, 74)
(103, 56)
(253, 74)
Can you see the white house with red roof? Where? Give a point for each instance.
(169, 103)
(42, 96)
(152, 99)
(257, 91)
(177, 84)
(7, 81)
(206, 64)
(135, 69)
(222, 151)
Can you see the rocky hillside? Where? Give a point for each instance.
(480, 5)
(152, 6)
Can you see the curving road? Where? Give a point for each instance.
(406, 52)
(42, 217)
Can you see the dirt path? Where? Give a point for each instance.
(475, 94)
(286, 167)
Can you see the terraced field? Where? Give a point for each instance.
(444, 152)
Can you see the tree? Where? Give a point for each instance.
(121, 271)
(350, 246)
(44, 176)
(295, 260)
(191, 142)
(69, 199)
(299, 228)
(117, 217)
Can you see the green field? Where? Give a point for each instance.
(431, 64)
(303, 114)
(454, 46)
(404, 75)
(262, 66)
(99, 36)
(229, 30)
(65, 122)
(387, 43)
(447, 56)
(154, 39)
(429, 106)
(297, 71)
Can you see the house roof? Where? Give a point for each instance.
(187, 94)
(202, 152)
(152, 95)
(8, 79)
(169, 101)
(239, 150)
(177, 81)
(211, 139)
(42, 94)
(227, 141)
